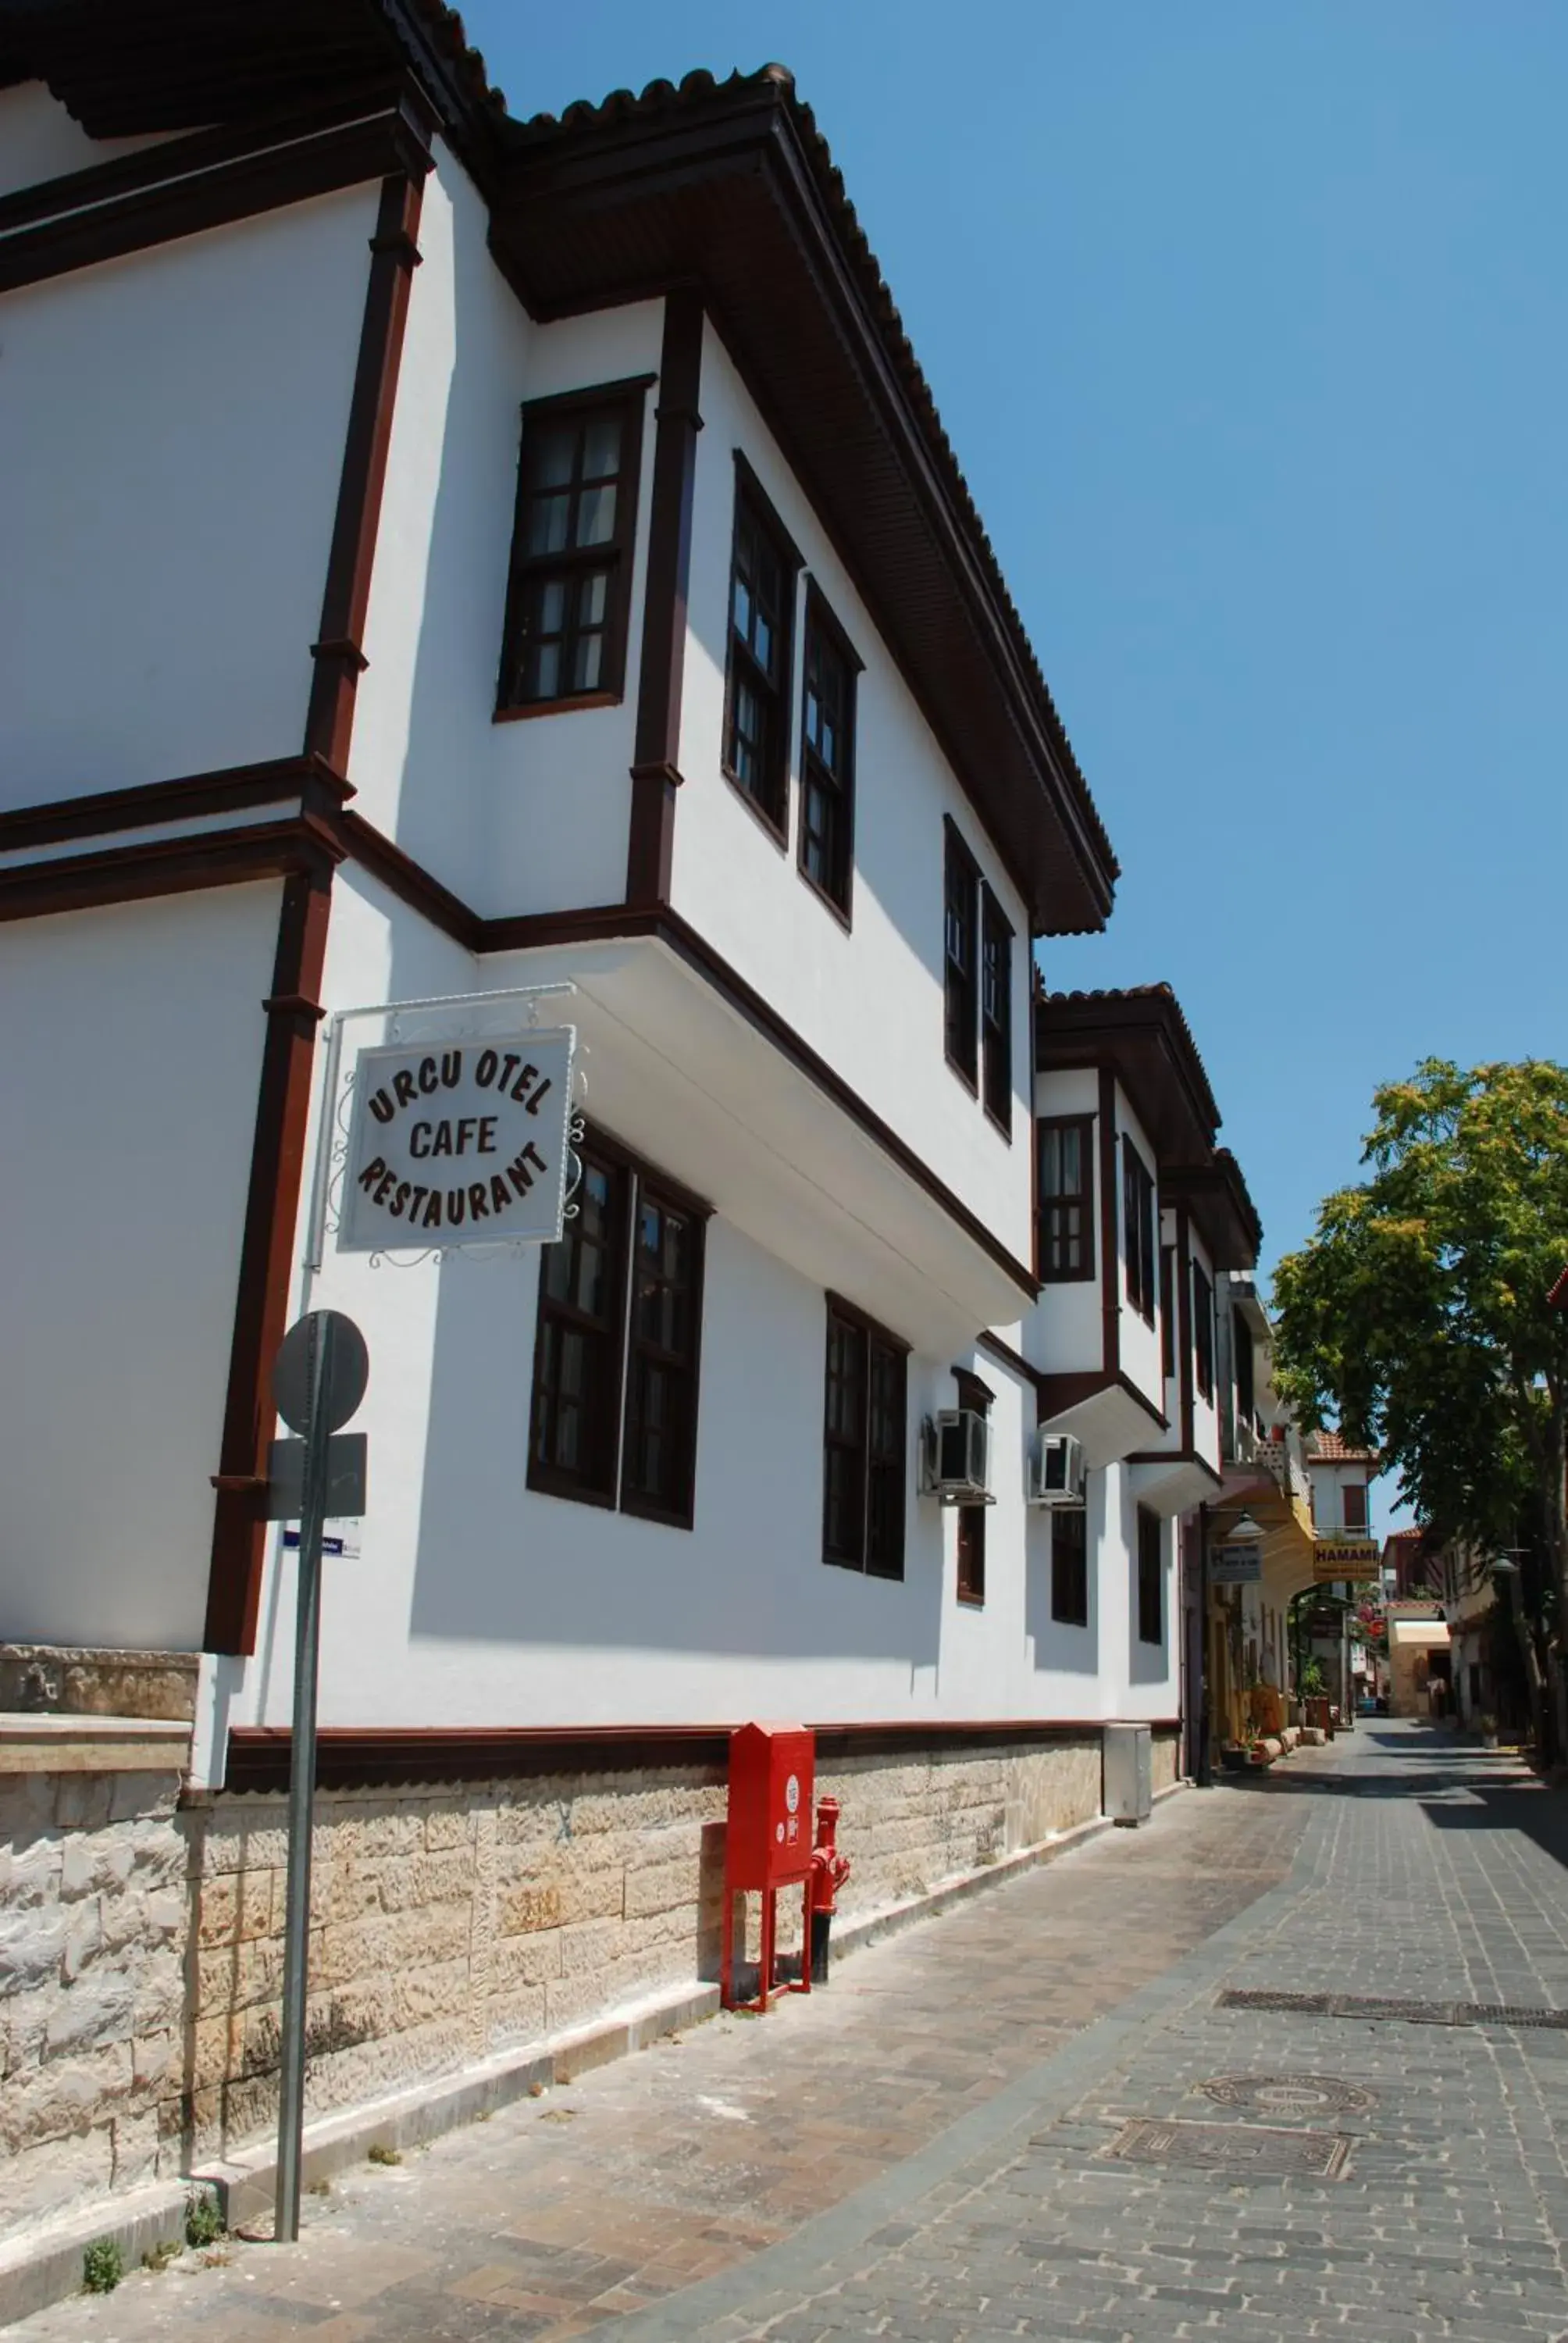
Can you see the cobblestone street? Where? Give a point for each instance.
(989, 2126)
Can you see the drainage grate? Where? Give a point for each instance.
(1376, 2007)
(1510, 2013)
(1290, 2095)
(1245, 2149)
(1410, 2013)
(1249, 1998)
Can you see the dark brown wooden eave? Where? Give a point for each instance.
(1222, 1212)
(1141, 1036)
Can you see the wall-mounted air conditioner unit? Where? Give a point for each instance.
(957, 1457)
(1056, 1470)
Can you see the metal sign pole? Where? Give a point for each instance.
(302, 1784)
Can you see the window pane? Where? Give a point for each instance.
(577, 1357)
(844, 1463)
(551, 451)
(548, 520)
(589, 663)
(574, 498)
(761, 590)
(662, 1400)
(601, 446)
(596, 516)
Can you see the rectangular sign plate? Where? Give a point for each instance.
(1345, 1558)
(347, 1454)
(1238, 1564)
(459, 1142)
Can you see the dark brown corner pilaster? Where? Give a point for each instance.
(656, 771)
(1110, 1258)
(1184, 1322)
(293, 1009)
(266, 1250)
(339, 651)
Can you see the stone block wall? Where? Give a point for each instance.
(94, 1941)
(141, 1945)
(1165, 1752)
(447, 1923)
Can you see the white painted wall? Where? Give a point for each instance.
(1206, 1411)
(1142, 1678)
(41, 139)
(1064, 1333)
(1328, 1482)
(513, 817)
(130, 1049)
(171, 438)
(744, 892)
(476, 1601)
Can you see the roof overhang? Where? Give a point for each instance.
(166, 66)
(1107, 1412)
(680, 1073)
(1142, 1036)
(1222, 1213)
(1173, 1481)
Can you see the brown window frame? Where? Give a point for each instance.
(1360, 1492)
(960, 985)
(1150, 1577)
(971, 1542)
(1168, 1311)
(996, 935)
(617, 554)
(1203, 1332)
(1081, 1199)
(768, 800)
(1140, 1234)
(975, 1394)
(631, 1182)
(1070, 1569)
(824, 638)
(879, 1349)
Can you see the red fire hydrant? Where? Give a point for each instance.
(830, 1870)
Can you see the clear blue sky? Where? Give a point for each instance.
(1247, 320)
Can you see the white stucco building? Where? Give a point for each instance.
(449, 554)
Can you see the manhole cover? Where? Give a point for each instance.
(1288, 2095)
(1243, 2148)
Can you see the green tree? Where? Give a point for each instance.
(1417, 1313)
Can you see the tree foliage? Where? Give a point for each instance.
(1417, 1313)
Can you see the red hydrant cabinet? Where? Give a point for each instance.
(768, 1843)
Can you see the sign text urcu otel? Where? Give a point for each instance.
(459, 1143)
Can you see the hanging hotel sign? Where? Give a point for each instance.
(1239, 1562)
(459, 1142)
(1338, 1556)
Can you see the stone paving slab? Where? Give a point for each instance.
(644, 2180)
(923, 2151)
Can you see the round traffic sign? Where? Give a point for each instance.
(333, 1345)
